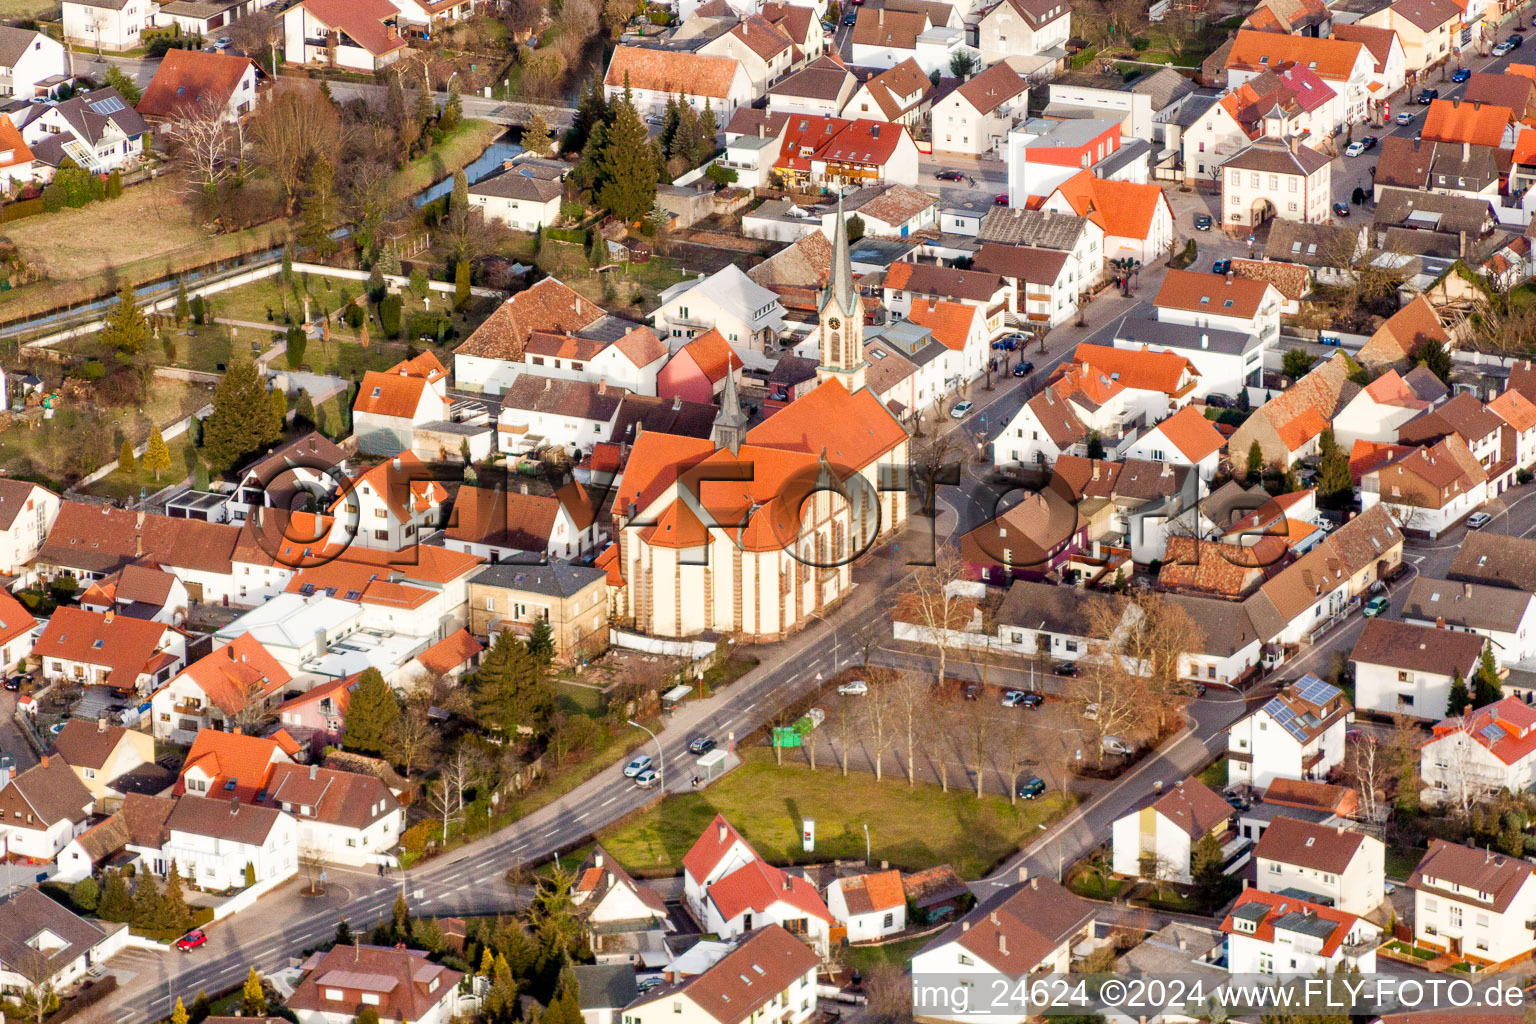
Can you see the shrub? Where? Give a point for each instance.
(93, 370)
(353, 315)
(576, 235)
(389, 315)
(1140, 43)
(28, 206)
(428, 325)
(199, 309)
(572, 210)
(415, 839)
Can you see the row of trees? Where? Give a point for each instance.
(620, 164)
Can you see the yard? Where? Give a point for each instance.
(635, 284)
(894, 954)
(1401, 860)
(911, 826)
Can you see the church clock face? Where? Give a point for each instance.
(833, 324)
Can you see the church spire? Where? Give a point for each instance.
(840, 290)
(730, 427)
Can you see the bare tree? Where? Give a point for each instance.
(416, 739)
(288, 128)
(258, 35)
(460, 772)
(910, 695)
(975, 733)
(1406, 510)
(1368, 767)
(202, 135)
(879, 718)
(928, 599)
(938, 730)
(440, 802)
(312, 863)
(936, 458)
(1455, 773)
(1163, 635)
(889, 992)
(38, 998)
(1108, 693)
(1017, 755)
(844, 722)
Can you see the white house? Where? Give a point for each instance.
(42, 809)
(27, 512)
(1157, 840)
(731, 890)
(1136, 217)
(1384, 405)
(1043, 282)
(1297, 734)
(1268, 933)
(1479, 753)
(1474, 904)
(976, 117)
(749, 316)
(130, 655)
(718, 851)
(772, 973)
(870, 906)
(100, 131)
(391, 506)
(214, 840)
(887, 210)
(1186, 438)
(1024, 28)
(1143, 103)
(233, 685)
(632, 362)
(70, 946)
(344, 817)
(191, 82)
(358, 35)
(539, 411)
(398, 984)
(1226, 303)
(1428, 489)
(499, 525)
(1505, 616)
(392, 403)
(492, 357)
(627, 920)
(520, 201)
(1227, 361)
(113, 25)
(1405, 669)
(31, 63)
(1027, 928)
(1328, 864)
(656, 77)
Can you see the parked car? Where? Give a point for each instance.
(962, 410)
(1341, 209)
(1116, 745)
(950, 176)
(1478, 520)
(1221, 267)
(1031, 787)
(1515, 40)
(1024, 369)
(973, 691)
(1091, 712)
(1020, 699)
(1032, 700)
(1202, 222)
(1355, 148)
(1375, 606)
(638, 765)
(1428, 96)
(853, 688)
(701, 745)
(1462, 75)
(1405, 117)
(1501, 48)
(647, 778)
(649, 982)
(1216, 401)
(849, 19)
(14, 683)
(1001, 199)
(1236, 802)
(1065, 668)
(1007, 344)
(1369, 141)
(190, 941)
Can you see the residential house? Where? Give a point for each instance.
(1270, 933)
(1332, 866)
(902, 95)
(1145, 102)
(1430, 224)
(140, 592)
(1042, 154)
(1047, 620)
(1464, 122)
(1042, 283)
(1293, 17)
(764, 50)
(235, 685)
(870, 906)
(113, 25)
(1274, 178)
(1327, 251)
(1430, 489)
(1495, 559)
(1078, 236)
(1445, 168)
(1507, 618)
(498, 525)
(701, 369)
(1397, 341)
(100, 754)
(1347, 67)
(655, 77)
(1406, 669)
(193, 83)
(522, 201)
(42, 809)
(1019, 930)
(1227, 303)
(631, 362)
(131, 655)
(1288, 426)
(1158, 840)
(358, 35)
(1430, 30)
(627, 920)
(571, 599)
(389, 507)
(232, 764)
(746, 314)
(1386, 49)
(1186, 438)
(731, 890)
(1385, 405)
(44, 943)
(538, 412)
(885, 37)
(493, 355)
(1473, 904)
(1136, 218)
(604, 989)
(345, 817)
(307, 466)
(1035, 536)
(1225, 361)
(398, 984)
(906, 285)
(863, 152)
(392, 403)
(1484, 751)
(822, 88)
(18, 631)
(888, 210)
(1141, 498)
(1290, 102)
(770, 972)
(1297, 734)
(1468, 420)
(448, 659)
(31, 63)
(977, 116)
(1023, 28)
(1216, 569)
(1517, 440)
(27, 514)
(100, 131)
(317, 717)
(1232, 638)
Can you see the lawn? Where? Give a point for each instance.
(896, 954)
(1094, 886)
(1215, 775)
(1402, 860)
(636, 284)
(118, 484)
(577, 699)
(456, 152)
(16, 10)
(1417, 952)
(910, 826)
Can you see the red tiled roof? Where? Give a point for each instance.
(232, 757)
(1512, 738)
(1481, 124)
(1139, 368)
(1260, 51)
(672, 71)
(711, 846)
(187, 79)
(450, 652)
(1279, 906)
(126, 647)
(950, 322)
(363, 20)
(713, 355)
(758, 885)
(1123, 209)
(1191, 433)
(13, 150)
(236, 674)
(404, 482)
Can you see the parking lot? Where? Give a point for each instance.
(1046, 738)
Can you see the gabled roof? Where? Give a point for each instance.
(1496, 559)
(403, 482)
(1496, 876)
(237, 674)
(713, 355)
(1427, 15)
(100, 539)
(1506, 729)
(1123, 209)
(1333, 59)
(26, 914)
(404, 984)
(1193, 807)
(933, 280)
(1481, 124)
(363, 20)
(344, 799)
(1215, 294)
(482, 515)
(125, 646)
(757, 885)
(449, 653)
(54, 793)
(950, 322)
(191, 79)
(993, 87)
(897, 30)
(1377, 40)
(1014, 930)
(550, 305)
(1302, 843)
(87, 744)
(1191, 433)
(1139, 368)
(874, 892)
(1270, 912)
(711, 847)
(237, 765)
(672, 72)
(1418, 648)
(741, 985)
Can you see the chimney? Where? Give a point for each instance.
(677, 403)
(993, 917)
(1182, 941)
(234, 806)
(236, 730)
(1230, 277)
(762, 130)
(1205, 341)
(1034, 883)
(722, 832)
(395, 462)
(1439, 621)
(597, 859)
(549, 382)
(1023, 874)
(788, 884)
(602, 387)
(1002, 943)
(101, 725)
(965, 925)
(314, 772)
(1466, 151)
(44, 762)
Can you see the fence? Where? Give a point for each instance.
(176, 429)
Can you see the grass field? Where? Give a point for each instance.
(456, 152)
(128, 485)
(895, 954)
(13, 10)
(912, 827)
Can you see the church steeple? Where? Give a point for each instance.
(730, 428)
(842, 316)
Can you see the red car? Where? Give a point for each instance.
(1001, 200)
(191, 940)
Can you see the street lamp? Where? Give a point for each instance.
(868, 859)
(446, 93)
(661, 775)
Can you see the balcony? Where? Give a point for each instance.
(190, 710)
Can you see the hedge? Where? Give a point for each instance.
(577, 235)
(200, 916)
(21, 208)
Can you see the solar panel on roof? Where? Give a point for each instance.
(110, 105)
(1281, 712)
(1492, 733)
(1314, 691)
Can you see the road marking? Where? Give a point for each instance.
(749, 707)
(610, 800)
(551, 832)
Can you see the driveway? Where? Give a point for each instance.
(11, 740)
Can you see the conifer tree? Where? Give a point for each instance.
(179, 1014)
(372, 715)
(277, 406)
(157, 457)
(304, 410)
(125, 459)
(343, 933)
(183, 309)
(178, 916)
(253, 998)
(241, 419)
(536, 136)
(320, 208)
(148, 913)
(628, 167)
(125, 328)
(115, 903)
(461, 285)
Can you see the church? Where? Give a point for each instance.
(754, 531)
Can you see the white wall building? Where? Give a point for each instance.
(1297, 734)
(1268, 933)
(1328, 864)
(1475, 904)
(1405, 669)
